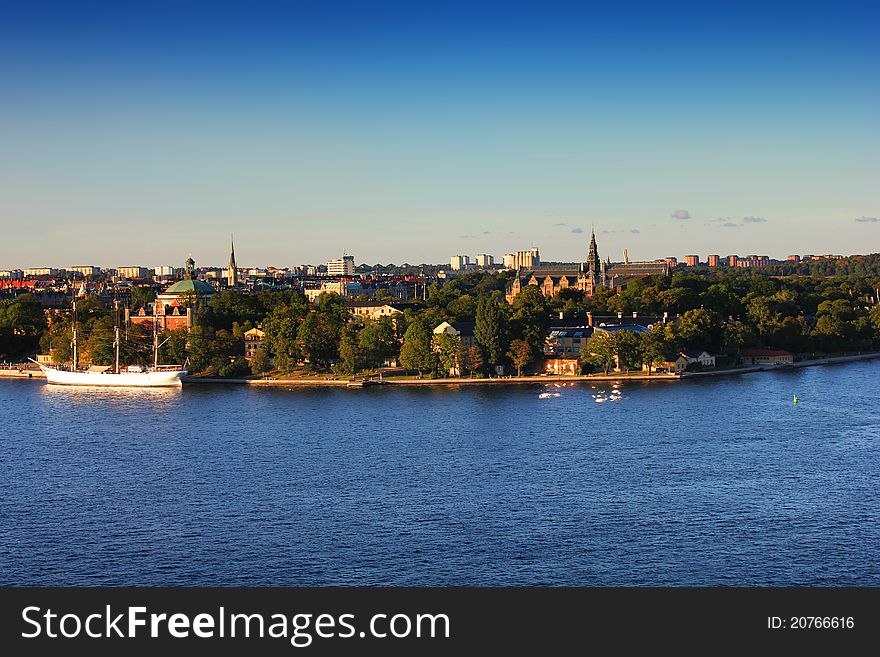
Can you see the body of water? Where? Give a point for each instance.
(721, 481)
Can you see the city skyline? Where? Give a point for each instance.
(398, 133)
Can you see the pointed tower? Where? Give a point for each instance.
(232, 273)
(189, 268)
(593, 255)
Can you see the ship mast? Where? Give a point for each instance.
(116, 332)
(73, 342)
(155, 344)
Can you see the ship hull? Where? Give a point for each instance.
(160, 379)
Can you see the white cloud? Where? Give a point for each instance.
(754, 220)
(868, 220)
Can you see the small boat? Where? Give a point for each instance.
(548, 395)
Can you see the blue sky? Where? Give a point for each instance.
(135, 133)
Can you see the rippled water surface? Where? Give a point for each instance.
(718, 481)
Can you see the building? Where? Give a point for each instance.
(507, 260)
(132, 272)
(343, 266)
(484, 260)
(701, 358)
(585, 276)
(794, 258)
(84, 270)
(163, 271)
(562, 365)
(464, 331)
(40, 271)
(12, 274)
(232, 270)
(526, 259)
(767, 357)
(731, 260)
(459, 262)
(176, 306)
(253, 342)
(691, 260)
(713, 260)
(378, 308)
(566, 341)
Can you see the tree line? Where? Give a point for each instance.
(719, 310)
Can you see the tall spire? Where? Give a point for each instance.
(232, 273)
(593, 255)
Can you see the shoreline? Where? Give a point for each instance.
(25, 374)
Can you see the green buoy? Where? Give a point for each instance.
(795, 400)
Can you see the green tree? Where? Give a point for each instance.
(491, 328)
(447, 348)
(318, 338)
(352, 358)
(417, 352)
(377, 341)
(600, 350)
(475, 358)
(656, 346)
(521, 354)
(629, 350)
(699, 329)
(280, 340)
(736, 336)
(172, 347)
(260, 362)
(531, 320)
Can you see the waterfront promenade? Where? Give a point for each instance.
(23, 372)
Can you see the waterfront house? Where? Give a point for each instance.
(464, 331)
(702, 358)
(767, 357)
(253, 342)
(562, 365)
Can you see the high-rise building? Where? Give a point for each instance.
(527, 259)
(343, 266)
(459, 262)
(163, 270)
(85, 270)
(794, 258)
(484, 260)
(731, 260)
(40, 271)
(508, 260)
(132, 272)
(714, 260)
(692, 260)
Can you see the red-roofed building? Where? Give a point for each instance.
(767, 357)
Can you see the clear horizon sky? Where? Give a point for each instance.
(135, 133)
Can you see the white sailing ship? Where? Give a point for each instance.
(136, 376)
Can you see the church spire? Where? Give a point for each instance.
(232, 273)
(593, 255)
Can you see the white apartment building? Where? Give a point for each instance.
(343, 266)
(132, 272)
(459, 262)
(85, 270)
(484, 260)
